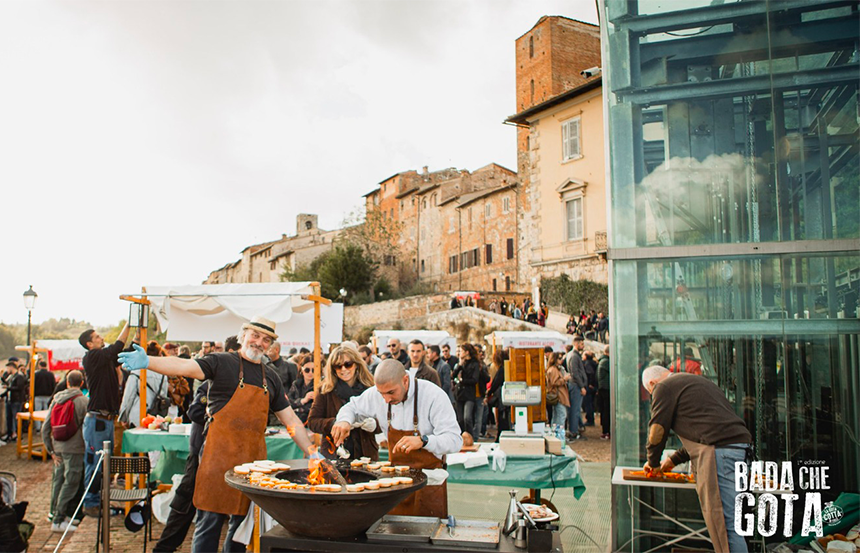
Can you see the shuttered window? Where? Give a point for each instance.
(570, 139)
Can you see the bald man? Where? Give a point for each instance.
(421, 426)
(714, 439)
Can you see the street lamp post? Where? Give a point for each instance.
(29, 303)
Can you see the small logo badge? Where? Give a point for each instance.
(831, 514)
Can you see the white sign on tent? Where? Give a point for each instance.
(538, 339)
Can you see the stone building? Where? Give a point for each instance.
(562, 205)
(457, 227)
(267, 261)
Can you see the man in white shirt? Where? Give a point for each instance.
(420, 432)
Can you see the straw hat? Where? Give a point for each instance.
(263, 326)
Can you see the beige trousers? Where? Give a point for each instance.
(704, 465)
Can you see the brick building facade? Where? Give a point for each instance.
(549, 61)
(267, 261)
(457, 227)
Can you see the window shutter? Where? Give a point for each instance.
(565, 141)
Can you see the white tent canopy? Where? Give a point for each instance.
(538, 339)
(428, 337)
(63, 350)
(216, 311)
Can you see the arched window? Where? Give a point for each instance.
(308, 225)
(531, 46)
(533, 90)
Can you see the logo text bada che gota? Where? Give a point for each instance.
(763, 485)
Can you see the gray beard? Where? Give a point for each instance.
(253, 354)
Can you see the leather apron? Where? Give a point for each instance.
(429, 501)
(236, 435)
(704, 466)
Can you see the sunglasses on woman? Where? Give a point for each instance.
(308, 369)
(345, 365)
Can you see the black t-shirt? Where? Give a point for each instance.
(223, 370)
(102, 380)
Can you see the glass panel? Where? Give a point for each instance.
(729, 123)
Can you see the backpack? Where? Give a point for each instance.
(160, 404)
(63, 422)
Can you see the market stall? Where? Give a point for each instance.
(428, 337)
(61, 355)
(175, 447)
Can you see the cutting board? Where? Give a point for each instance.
(627, 474)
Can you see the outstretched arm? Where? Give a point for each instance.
(169, 366)
(289, 418)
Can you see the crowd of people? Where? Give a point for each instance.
(525, 310)
(593, 325)
(85, 407)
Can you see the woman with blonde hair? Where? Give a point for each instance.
(345, 375)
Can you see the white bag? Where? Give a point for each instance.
(161, 502)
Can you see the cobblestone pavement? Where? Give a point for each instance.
(34, 485)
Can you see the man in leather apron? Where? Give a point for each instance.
(714, 439)
(421, 426)
(242, 392)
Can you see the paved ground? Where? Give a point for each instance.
(590, 514)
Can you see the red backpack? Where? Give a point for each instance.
(63, 423)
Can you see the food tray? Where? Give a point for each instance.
(403, 528)
(469, 533)
(675, 478)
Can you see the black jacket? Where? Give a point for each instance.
(295, 395)
(470, 373)
(44, 383)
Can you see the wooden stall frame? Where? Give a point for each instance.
(37, 448)
(316, 298)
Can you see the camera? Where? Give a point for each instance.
(590, 72)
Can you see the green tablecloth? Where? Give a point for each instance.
(539, 472)
(175, 450)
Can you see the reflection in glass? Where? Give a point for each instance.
(734, 224)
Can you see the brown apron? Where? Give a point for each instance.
(236, 435)
(429, 501)
(704, 465)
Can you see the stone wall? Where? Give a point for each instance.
(428, 313)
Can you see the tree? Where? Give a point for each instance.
(571, 296)
(346, 267)
(379, 238)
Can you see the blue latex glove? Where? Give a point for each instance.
(134, 360)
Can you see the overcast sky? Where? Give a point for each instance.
(147, 143)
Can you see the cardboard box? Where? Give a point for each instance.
(553, 445)
(530, 444)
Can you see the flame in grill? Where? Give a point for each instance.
(319, 473)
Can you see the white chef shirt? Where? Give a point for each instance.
(436, 417)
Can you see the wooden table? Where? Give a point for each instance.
(33, 448)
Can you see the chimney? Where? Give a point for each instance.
(424, 170)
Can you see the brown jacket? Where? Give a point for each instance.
(321, 419)
(555, 382)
